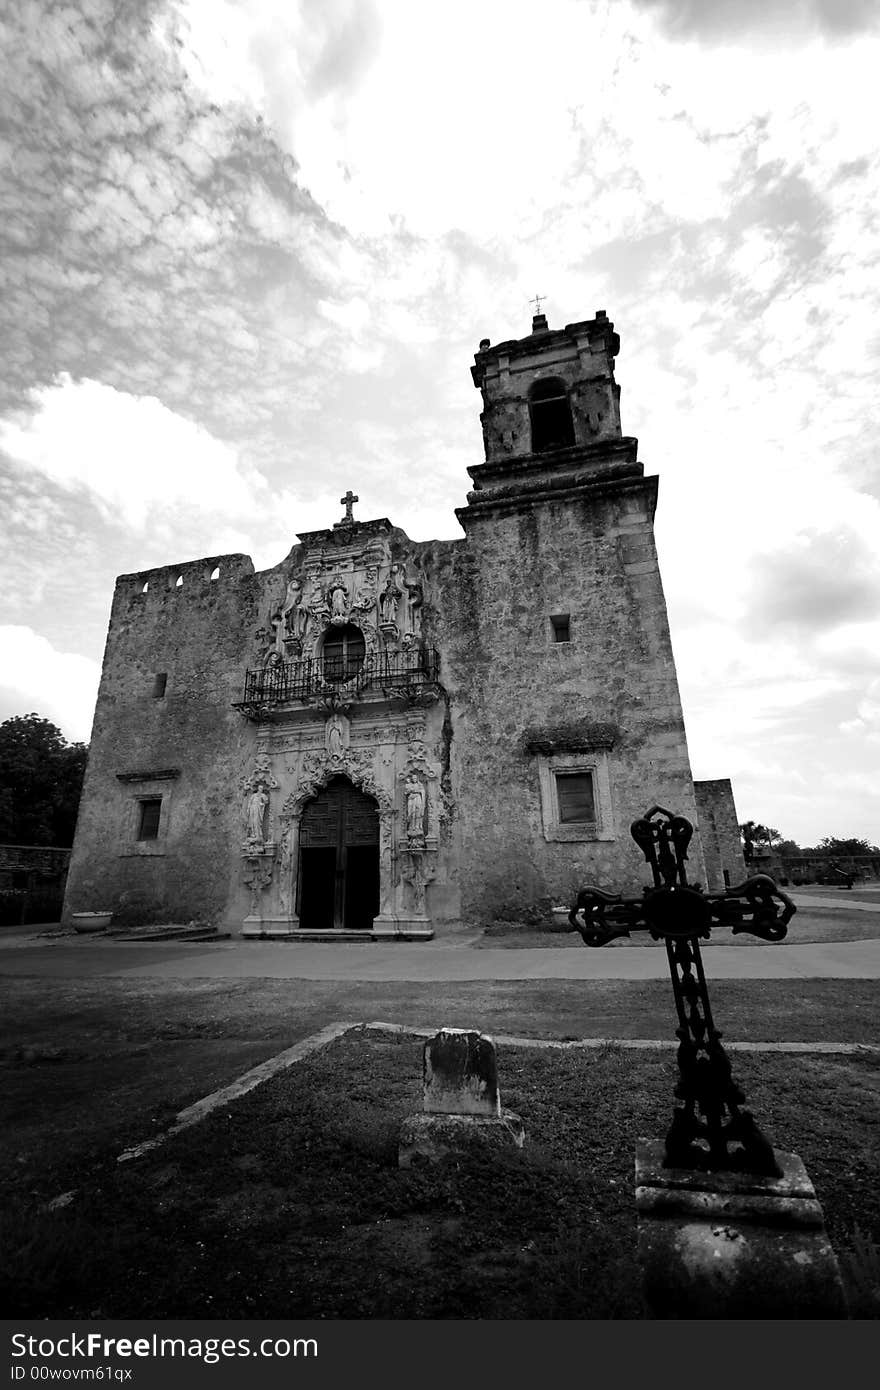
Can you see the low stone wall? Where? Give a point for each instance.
(807, 868)
(32, 879)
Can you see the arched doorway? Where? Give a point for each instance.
(338, 878)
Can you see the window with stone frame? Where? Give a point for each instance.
(575, 790)
(144, 815)
(343, 652)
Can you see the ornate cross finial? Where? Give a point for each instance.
(538, 301)
(347, 501)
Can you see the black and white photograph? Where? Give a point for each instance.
(439, 677)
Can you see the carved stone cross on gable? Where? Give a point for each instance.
(347, 501)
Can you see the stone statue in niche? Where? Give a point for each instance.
(255, 815)
(294, 612)
(390, 597)
(336, 735)
(337, 597)
(415, 807)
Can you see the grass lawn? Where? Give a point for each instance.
(89, 1067)
(809, 924)
(262, 1209)
(289, 1203)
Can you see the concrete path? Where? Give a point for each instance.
(449, 958)
(432, 960)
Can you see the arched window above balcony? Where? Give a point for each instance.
(550, 412)
(343, 652)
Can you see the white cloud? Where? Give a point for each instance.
(473, 156)
(60, 686)
(132, 453)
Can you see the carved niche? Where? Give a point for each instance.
(255, 807)
(419, 780)
(363, 585)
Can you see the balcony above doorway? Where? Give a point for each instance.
(281, 688)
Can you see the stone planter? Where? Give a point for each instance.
(91, 921)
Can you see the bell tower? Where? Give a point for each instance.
(551, 411)
(571, 714)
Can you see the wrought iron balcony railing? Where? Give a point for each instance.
(282, 682)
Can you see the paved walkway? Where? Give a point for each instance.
(432, 960)
(447, 958)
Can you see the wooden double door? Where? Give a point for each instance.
(338, 879)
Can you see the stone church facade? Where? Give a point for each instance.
(388, 737)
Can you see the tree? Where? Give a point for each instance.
(747, 831)
(788, 848)
(753, 833)
(41, 778)
(832, 844)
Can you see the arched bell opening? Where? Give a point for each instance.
(338, 871)
(550, 413)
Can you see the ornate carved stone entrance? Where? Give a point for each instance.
(338, 877)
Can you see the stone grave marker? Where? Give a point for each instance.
(461, 1102)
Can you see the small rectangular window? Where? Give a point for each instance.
(148, 824)
(574, 793)
(561, 625)
(160, 680)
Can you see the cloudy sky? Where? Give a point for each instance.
(250, 247)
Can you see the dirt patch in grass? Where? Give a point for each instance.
(289, 1203)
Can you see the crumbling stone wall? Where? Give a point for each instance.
(198, 634)
(719, 832)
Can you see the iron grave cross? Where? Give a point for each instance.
(347, 501)
(710, 1129)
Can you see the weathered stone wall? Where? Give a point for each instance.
(593, 558)
(505, 683)
(719, 832)
(199, 635)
